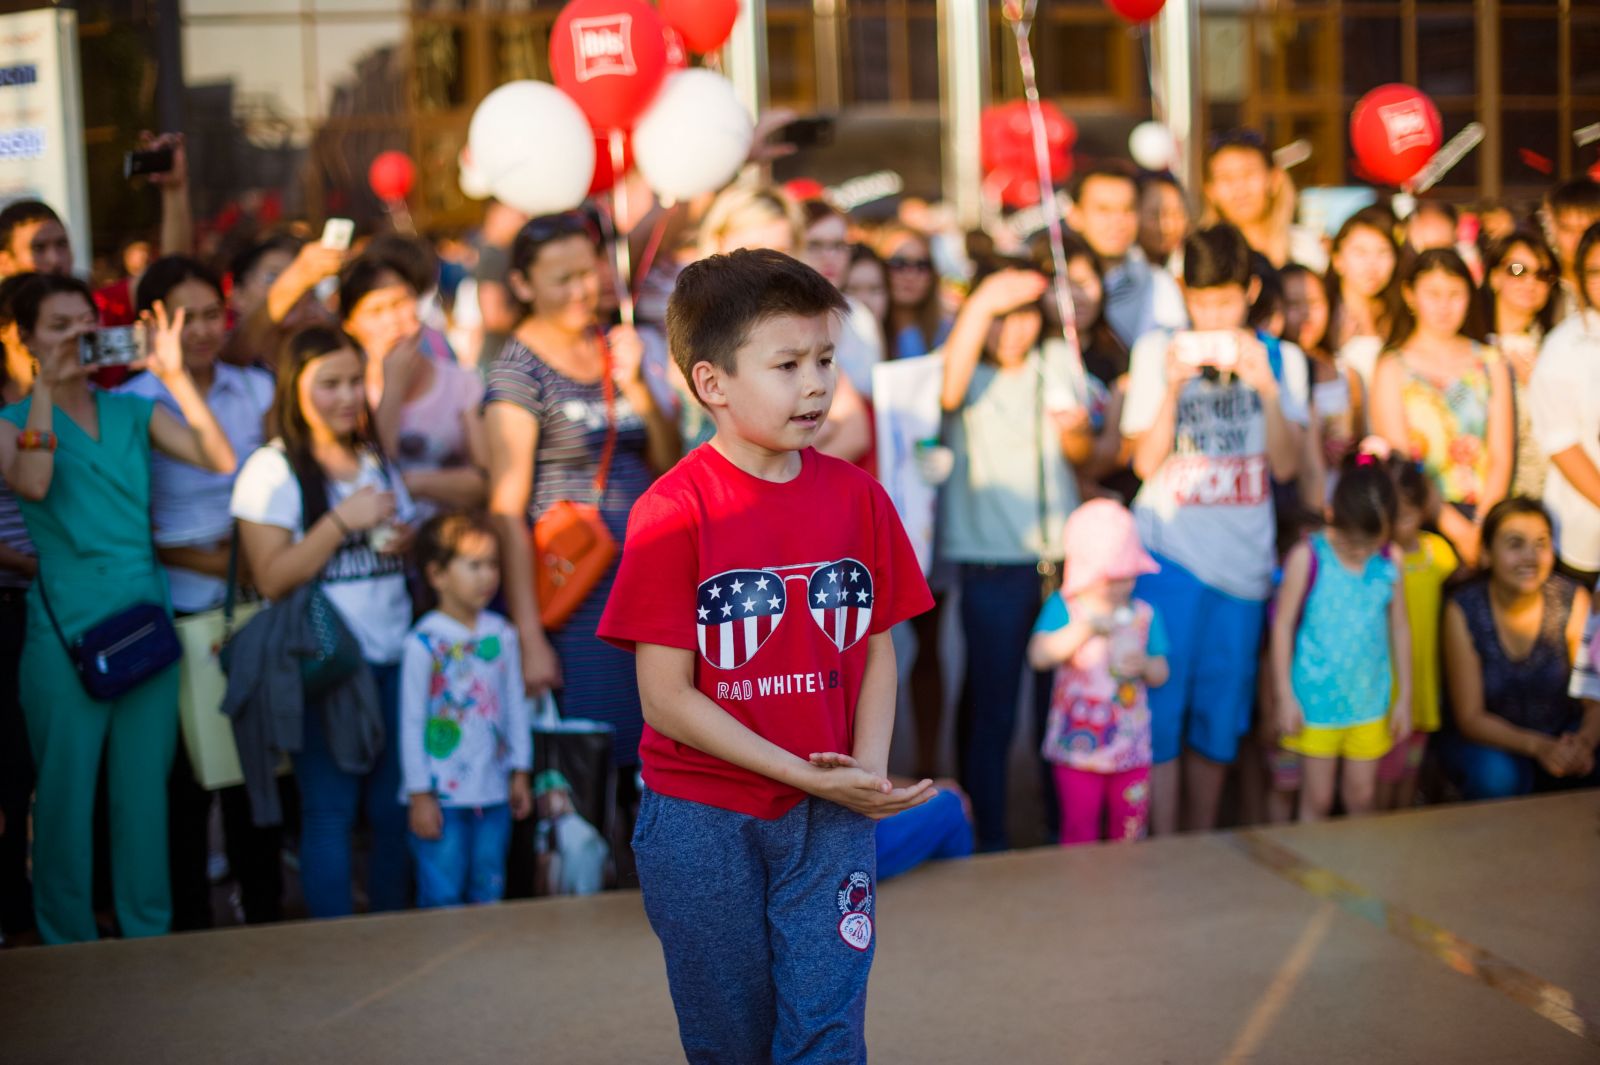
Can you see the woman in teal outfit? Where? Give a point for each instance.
(79, 463)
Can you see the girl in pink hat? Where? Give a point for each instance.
(1107, 649)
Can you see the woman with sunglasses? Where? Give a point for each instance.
(917, 322)
(548, 414)
(1519, 305)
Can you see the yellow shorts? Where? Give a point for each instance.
(1359, 743)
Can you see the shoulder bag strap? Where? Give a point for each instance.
(38, 580)
(609, 388)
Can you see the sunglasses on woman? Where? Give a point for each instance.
(920, 265)
(1522, 270)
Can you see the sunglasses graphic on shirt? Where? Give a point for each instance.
(737, 611)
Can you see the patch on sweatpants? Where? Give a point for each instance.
(855, 904)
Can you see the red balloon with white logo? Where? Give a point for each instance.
(610, 56)
(706, 25)
(1394, 131)
(391, 176)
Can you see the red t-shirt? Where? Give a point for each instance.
(775, 587)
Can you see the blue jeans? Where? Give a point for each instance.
(467, 863)
(936, 830)
(999, 605)
(1213, 654)
(767, 928)
(1491, 773)
(329, 800)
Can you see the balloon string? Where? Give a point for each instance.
(1047, 200)
(619, 214)
(648, 258)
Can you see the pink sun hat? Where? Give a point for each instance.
(1102, 544)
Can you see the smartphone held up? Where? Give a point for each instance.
(147, 161)
(1216, 349)
(121, 345)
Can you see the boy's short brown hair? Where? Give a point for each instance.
(720, 299)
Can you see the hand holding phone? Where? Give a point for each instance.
(1215, 348)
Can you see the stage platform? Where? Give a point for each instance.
(1462, 934)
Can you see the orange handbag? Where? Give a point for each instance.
(572, 548)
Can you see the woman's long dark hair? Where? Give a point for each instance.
(1380, 220)
(1503, 511)
(1103, 350)
(365, 276)
(1293, 319)
(8, 312)
(1498, 253)
(1440, 260)
(30, 297)
(299, 351)
(166, 274)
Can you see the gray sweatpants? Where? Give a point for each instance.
(768, 928)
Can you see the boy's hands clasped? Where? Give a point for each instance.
(845, 782)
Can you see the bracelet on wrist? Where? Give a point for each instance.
(36, 440)
(339, 522)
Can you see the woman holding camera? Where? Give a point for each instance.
(79, 463)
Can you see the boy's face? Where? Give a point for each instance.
(1240, 185)
(1566, 230)
(1218, 307)
(1107, 215)
(39, 246)
(781, 393)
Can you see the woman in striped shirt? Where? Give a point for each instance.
(546, 422)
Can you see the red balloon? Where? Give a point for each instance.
(610, 56)
(391, 176)
(604, 176)
(1005, 138)
(705, 24)
(1394, 131)
(1136, 10)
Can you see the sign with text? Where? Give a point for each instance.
(41, 119)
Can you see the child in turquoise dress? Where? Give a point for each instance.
(1339, 633)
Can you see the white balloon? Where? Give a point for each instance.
(1152, 146)
(473, 185)
(532, 147)
(694, 137)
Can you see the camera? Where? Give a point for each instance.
(112, 346)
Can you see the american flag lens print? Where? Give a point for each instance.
(736, 612)
(840, 598)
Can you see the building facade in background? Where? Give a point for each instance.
(287, 101)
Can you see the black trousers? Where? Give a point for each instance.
(16, 771)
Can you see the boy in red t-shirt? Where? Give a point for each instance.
(757, 587)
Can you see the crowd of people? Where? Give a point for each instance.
(1300, 526)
